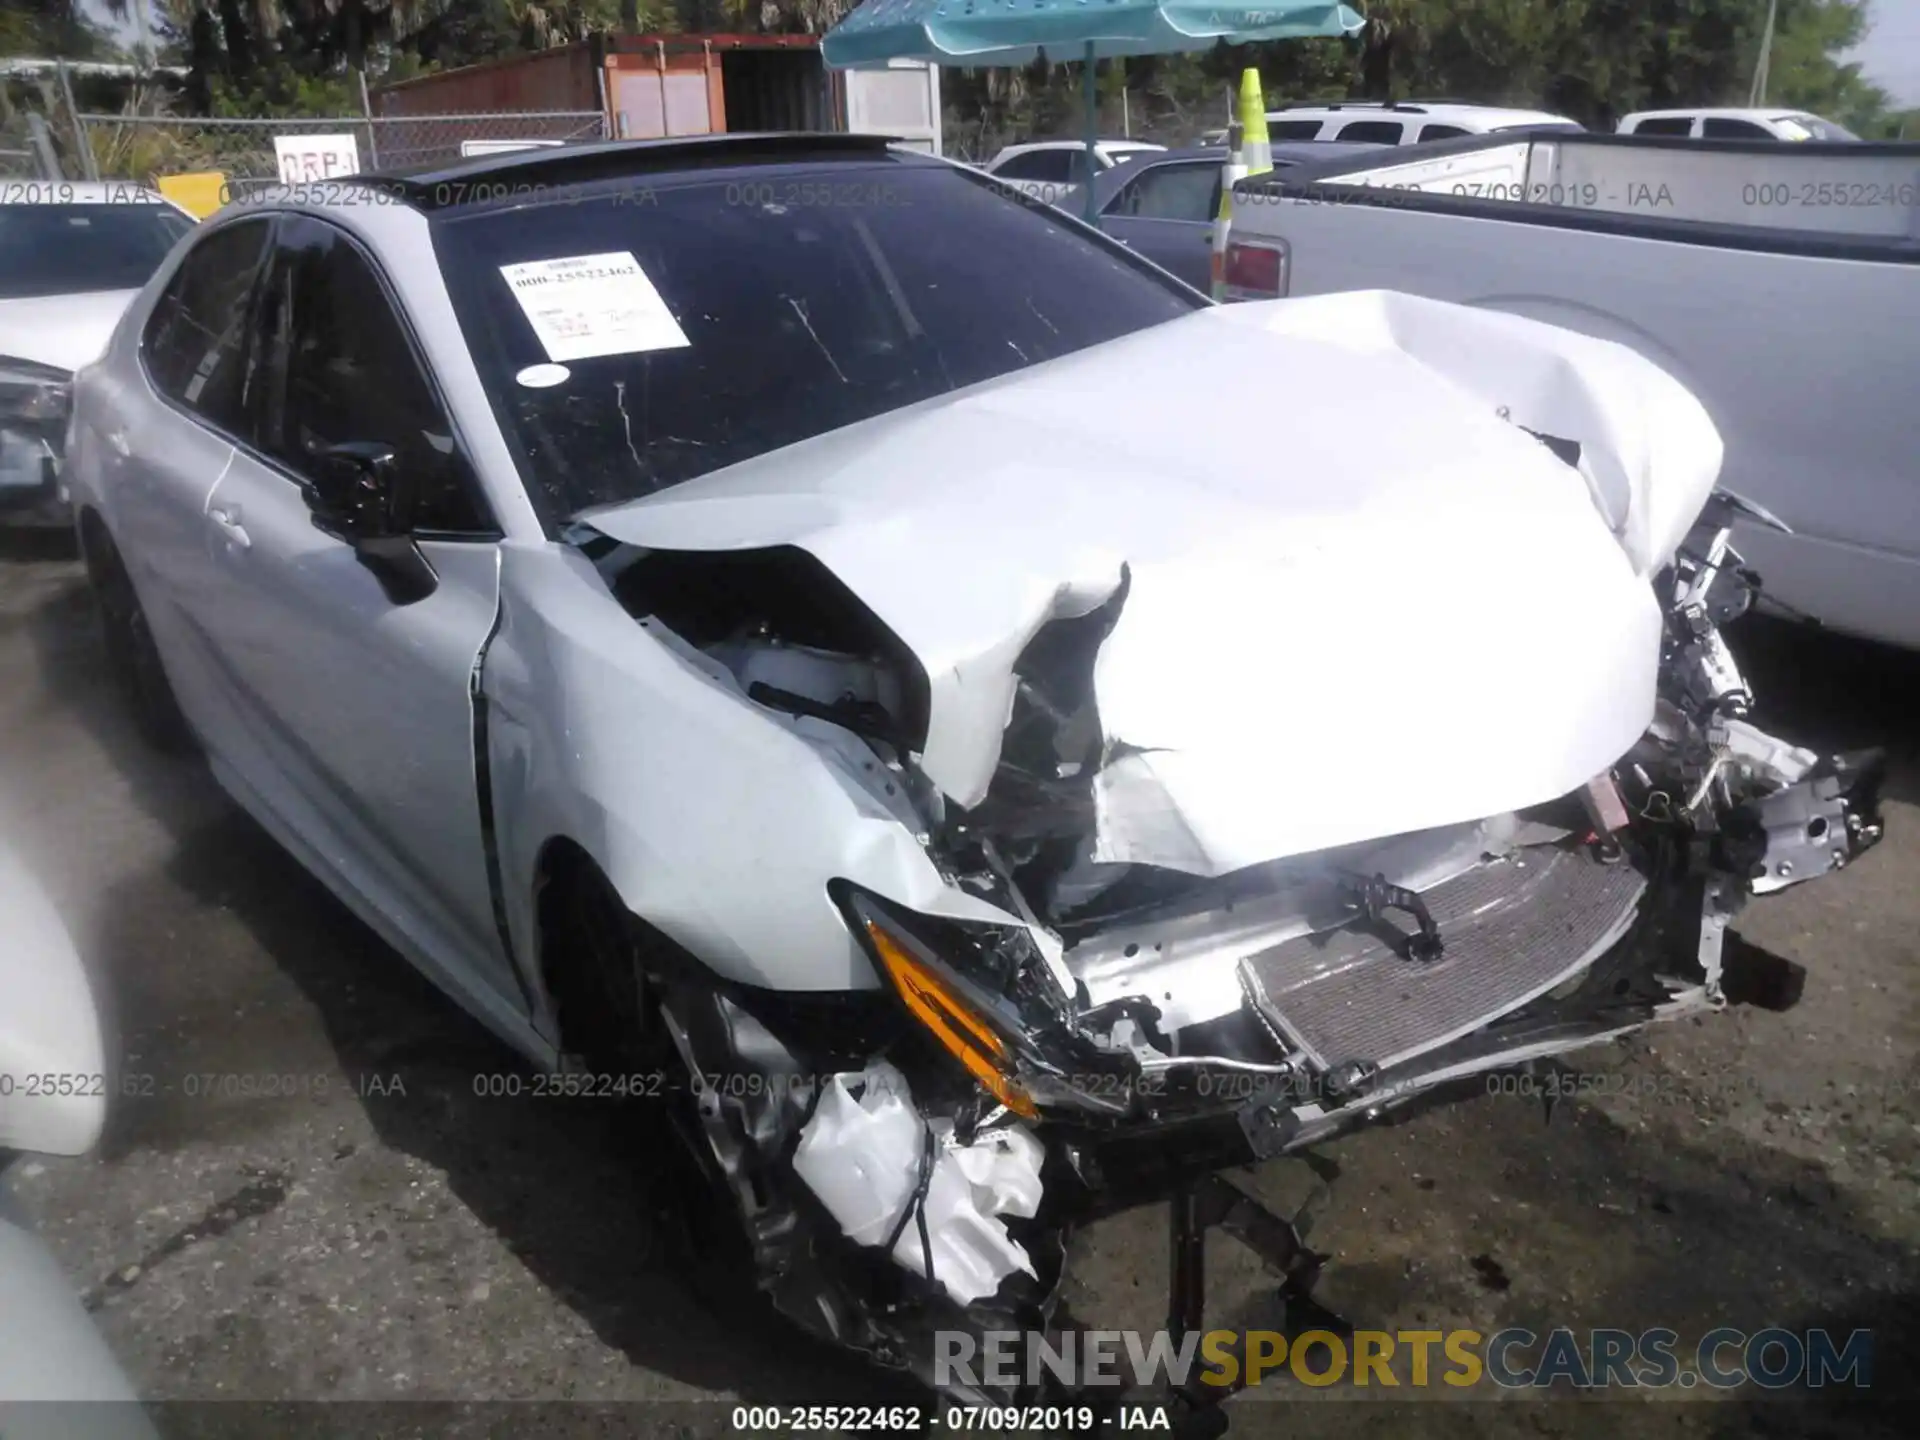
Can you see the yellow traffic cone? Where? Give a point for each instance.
(1253, 123)
(1235, 169)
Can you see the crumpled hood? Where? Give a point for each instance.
(65, 331)
(1361, 602)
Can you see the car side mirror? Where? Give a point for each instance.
(352, 491)
(358, 492)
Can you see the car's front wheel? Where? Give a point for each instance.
(609, 1004)
(131, 653)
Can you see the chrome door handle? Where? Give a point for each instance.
(228, 519)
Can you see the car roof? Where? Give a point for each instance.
(1441, 110)
(1718, 112)
(523, 176)
(81, 192)
(1026, 146)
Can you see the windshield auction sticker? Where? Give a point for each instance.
(583, 306)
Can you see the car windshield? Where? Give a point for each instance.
(763, 307)
(68, 249)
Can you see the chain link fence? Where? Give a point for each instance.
(17, 158)
(141, 147)
(29, 138)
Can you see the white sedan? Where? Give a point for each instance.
(1048, 169)
(787, 632)
(72, 254)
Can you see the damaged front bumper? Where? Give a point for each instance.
(923, 1170)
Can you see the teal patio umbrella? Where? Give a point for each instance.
(993, 33)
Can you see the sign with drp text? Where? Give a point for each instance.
(305, 158)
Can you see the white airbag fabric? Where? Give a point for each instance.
(862, 1155)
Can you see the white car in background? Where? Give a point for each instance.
(72, 255)
(1718, 123)
(1047, 169)
(1404, 123)
(57, 1376)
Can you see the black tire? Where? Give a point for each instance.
(607, 1001)
(131, 654)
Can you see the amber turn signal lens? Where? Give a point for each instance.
(963, 1034)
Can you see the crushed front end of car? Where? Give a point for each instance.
(1223, 875)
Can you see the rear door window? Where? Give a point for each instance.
(1678, 125)
(1294, 129)
(1720, 127)
(1172, 192)
(196, 338)
(1442, 132)
(1038, 165)
(1374, 132)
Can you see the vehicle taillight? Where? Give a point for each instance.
(1256, 270)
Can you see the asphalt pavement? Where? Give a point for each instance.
(308, 1191)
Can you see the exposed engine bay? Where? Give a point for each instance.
(1142, 1026)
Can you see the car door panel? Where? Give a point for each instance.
(1166, 214)
(165, 439)
(356, 711)
(360, 706)
(1181, 247)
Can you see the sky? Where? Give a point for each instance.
(1890, 58)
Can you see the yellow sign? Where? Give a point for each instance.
(200, 193)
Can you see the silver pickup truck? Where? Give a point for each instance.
(1778, 283)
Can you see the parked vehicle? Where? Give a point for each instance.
(1662, 245)
(673, 621)
(72, 255)
(1164, 206)
(1047, 169)
(1403, 123)
(1721, 123)
(55, 1370)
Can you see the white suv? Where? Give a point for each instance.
(1724, 124)
(1402, 123)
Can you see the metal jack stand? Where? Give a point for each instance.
(1212, 1203)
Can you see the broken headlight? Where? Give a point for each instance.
(34, 397)
(983, 993)
(33, 422)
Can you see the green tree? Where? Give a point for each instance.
(57, 30)
(1591, 59)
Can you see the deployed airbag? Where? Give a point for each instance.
(863, 1155)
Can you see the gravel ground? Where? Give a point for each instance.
(380, 1232)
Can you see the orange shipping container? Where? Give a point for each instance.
(649, 86)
